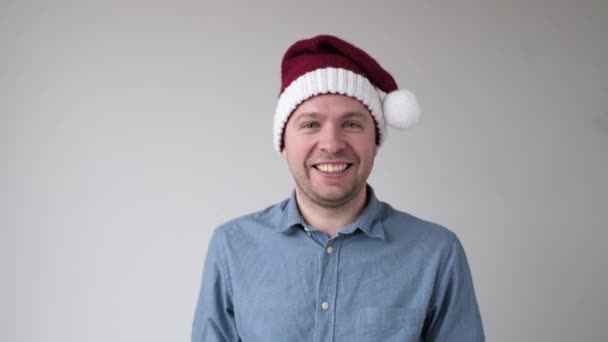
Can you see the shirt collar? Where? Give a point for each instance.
(369, 221)
(291, 215)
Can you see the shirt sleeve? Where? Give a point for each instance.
(454, 313)
(214, 315)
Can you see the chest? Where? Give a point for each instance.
(344, 289)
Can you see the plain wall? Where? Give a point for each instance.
(129, 130)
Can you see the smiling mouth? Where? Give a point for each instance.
(332, 168)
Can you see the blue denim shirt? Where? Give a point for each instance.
(388, 276)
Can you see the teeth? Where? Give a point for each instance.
(332, 168)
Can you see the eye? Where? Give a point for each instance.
(352, 124)
(309, 125)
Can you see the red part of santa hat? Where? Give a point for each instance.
(329, 65)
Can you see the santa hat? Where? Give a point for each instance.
(329, 65)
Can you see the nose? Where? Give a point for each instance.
(331, 139)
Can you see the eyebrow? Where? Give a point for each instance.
(316, 115)
(307, 115)
(349, 115)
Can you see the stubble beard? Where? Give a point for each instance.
(304, 184)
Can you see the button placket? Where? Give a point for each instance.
(327, 289)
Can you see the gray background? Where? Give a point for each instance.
(129, 130)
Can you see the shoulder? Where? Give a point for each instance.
(264, 220)
(401, 225)
(236, 240)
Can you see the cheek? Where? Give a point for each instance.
(294, 154)
(370, 155)
(365, 149)
(298, 146)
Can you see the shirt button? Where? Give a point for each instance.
(308, 233)
(330, 250)
(325, 305)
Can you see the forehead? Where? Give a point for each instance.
(332, 105)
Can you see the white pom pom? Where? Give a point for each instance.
(401, 109)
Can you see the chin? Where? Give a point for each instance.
(334, 198)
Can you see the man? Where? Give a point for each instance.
(332, 262)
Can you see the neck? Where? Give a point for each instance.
(331, 219)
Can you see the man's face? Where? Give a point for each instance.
(330, 146)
